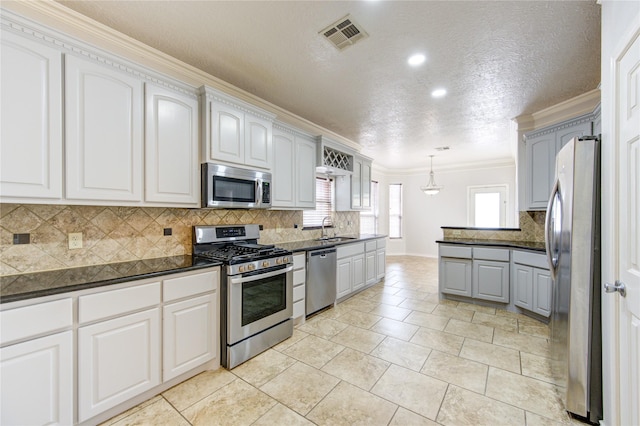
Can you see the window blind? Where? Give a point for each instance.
(395, 210)
(324, 205)
(369, 218)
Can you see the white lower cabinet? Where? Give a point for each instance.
(36, 364)
(381, 258)
(299, 289)
(542, 295)
(188, 331)
(117, 360)
(522, 278)
(370, 262)
(350, 273)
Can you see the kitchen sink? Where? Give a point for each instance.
(335, 239)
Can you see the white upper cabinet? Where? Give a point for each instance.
(354, 191)
(31, 116)
(234, 131)
(104, 132)
(171, 147)
(294, 169)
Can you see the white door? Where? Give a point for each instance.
(171, 147)
(624, 213)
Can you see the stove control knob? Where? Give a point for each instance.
(278, 261)
(285, 260)
(241, 269)
(251, 266)
(265, 264)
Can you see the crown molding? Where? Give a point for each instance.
(476, 165)
(583, 104)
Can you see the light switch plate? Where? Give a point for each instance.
(75, 240)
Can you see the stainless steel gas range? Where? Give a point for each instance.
(256, 297)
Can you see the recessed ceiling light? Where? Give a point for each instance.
(417, 59)
(438, 93)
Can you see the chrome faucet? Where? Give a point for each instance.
(324, 235)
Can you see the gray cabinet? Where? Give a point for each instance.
(455, 270)
(490, 280)
(531, 282)
(541, 149)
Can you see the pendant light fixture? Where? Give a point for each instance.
(431, 188)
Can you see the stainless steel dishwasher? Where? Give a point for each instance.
(321, 279)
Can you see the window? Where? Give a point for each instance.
(487, 206)
(395, 210)
(369, 218)
(324, 205)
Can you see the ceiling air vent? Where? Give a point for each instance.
(344, 32)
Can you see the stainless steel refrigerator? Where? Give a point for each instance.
(573, 248)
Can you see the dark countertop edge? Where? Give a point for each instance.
(95, 284)
(524, 245)
(471, 228)
(308, 245)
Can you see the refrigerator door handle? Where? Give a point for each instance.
(550, 223)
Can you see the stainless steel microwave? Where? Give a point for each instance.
(235, 188)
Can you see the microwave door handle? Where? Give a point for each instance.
(259, 191)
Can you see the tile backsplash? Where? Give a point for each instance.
(531, 229)
(120, 234)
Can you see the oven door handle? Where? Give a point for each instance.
(240, 280)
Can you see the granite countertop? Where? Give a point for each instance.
(527, 245)
(306, 245)
(38, 284)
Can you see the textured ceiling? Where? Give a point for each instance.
(497, 60)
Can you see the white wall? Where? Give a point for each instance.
(424, 215)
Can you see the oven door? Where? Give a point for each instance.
(257, 301)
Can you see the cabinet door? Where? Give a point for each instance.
(380, 263)
(370, 266)
(565, 135)
(358, 272)
(455, 276)
(541, 158)
(36, 378)
(227, 133)
(542, 292)
(258, 135)
(523, 286)
(117, 360)
(366, 184)
(103, 150)
(356, 185)
(171, 147)
(31, 116)
(284, 179)
(305, 173)
(189, 328)
(491, 280)
(343, 277)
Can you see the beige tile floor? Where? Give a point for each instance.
(393, 354)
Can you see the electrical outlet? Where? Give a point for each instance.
(75, 240)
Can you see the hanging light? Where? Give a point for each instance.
(431, 188)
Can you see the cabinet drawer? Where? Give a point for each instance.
(190, 285)
(381, 243)
(28, 321)
(298, 293)
(299, 277)
(350, 250)
(299, 261)
(460, 252)
(491, 254)
(298, 309)
(117, 302)
(532, 259)
(370, 245)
